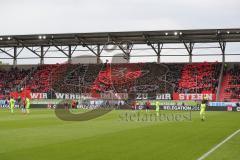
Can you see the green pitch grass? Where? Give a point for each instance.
(41, 136)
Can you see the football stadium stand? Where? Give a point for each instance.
(231, 84)
(124, 78)
(220, 79)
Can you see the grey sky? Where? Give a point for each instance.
(68, 16)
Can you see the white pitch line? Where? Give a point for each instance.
(217, 146)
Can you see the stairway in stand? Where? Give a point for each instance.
(224, 85)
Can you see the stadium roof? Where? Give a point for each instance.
(135, 37)
(40, 44)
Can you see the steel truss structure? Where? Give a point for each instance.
(39, 45)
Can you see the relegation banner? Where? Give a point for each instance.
(181, 108)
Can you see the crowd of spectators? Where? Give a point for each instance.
(11, 79)
(199, 78)
(40, 81)
(234, 82)
(128, 78)
(79, 78)
(172, 78)
(122, 78)
(139, 78)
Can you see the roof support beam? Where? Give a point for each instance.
(126, 50)
(223, 48)
(3, 51)
(61, 50)
(99, 51)
(125, 46)
(73, 50)
(45, 52)
(15, 57)
(160, 46)
(34, 52)
(42, 55)
(81, 42)
(20, 51)
(189, 47)
(70, 54)
(23, 45)
(156, 48)
(90, 49)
